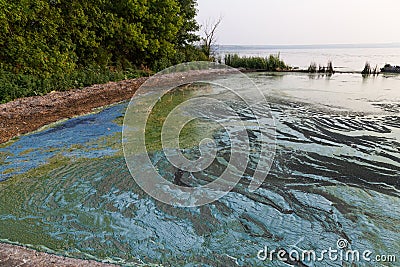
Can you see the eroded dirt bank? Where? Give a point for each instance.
(11, 256)
(28, 114)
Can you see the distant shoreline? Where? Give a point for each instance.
(299, 71)
(312, 46)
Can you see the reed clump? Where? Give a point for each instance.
(321, 69)
(312, 68)
(368, 70)
(270, 63)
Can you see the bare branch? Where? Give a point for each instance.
(209, 40)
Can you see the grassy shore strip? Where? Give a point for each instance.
(14, 86)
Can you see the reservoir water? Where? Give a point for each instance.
(66, 188)
(344, 58)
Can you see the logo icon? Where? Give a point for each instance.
(342, 243)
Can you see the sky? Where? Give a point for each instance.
(303, 22)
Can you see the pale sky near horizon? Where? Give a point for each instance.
(302, 22)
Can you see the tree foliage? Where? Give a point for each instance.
(43, 37)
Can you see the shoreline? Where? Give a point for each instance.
(15, 255)
(25, 115)
(28, 114)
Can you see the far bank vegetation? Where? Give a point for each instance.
(270, 63)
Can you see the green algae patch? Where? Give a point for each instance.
(112, 141)
(61, 203)
(4, 156)
(8, 171)
(87, 208)
(190, 134)
(194, 132)
(119, 121)
(18, 218)
(26, 152)
(75, 147)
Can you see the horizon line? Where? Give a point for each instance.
(392, 44)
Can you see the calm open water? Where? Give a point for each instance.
(344, 59)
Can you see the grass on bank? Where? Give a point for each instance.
(271, 63)
(13, 86)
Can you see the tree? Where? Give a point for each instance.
(187, 33)
(41, 37)
(209, 37)
(142, 32)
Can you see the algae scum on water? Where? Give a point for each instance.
(66, 189)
